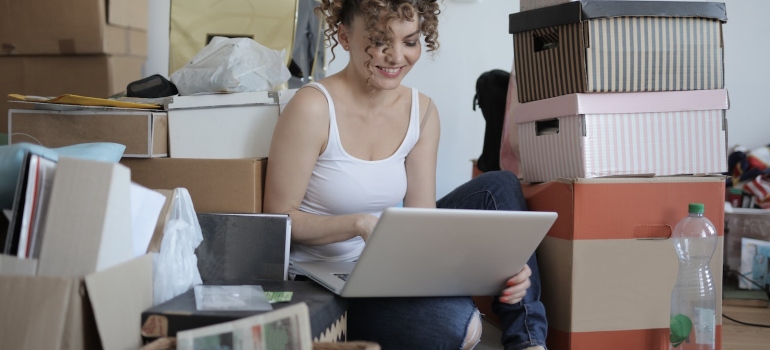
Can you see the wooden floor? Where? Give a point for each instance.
(740, 337)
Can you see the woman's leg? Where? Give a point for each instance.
(413, 323)
(524, 323)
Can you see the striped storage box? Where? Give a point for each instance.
(618, 46)
(623, 134)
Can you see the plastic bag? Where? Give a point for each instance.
(176, 266)
(232, 65)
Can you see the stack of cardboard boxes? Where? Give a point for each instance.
(84, 47)
(621, 125)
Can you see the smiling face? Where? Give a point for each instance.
(381, 57)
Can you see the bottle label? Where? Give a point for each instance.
(705, 329)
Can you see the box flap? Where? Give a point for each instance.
(222, 100)
(165, 214)
(88, 226)
(577, 11)
(118, 296)
(621, 102)
(127, 13)
(34, 311)
(13, 266)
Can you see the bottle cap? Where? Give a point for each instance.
(696, 208)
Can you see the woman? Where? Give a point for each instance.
(358, 142)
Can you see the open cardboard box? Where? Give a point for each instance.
(85, 291)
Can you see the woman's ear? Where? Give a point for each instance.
(343, 36)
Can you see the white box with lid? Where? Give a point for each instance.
(623, 134)
(224, 126)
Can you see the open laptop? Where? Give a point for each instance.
(418, 252)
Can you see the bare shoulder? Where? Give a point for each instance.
(309, 105)
(427, 104)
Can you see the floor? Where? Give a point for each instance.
(734, 336)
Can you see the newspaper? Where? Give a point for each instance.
(287, 328)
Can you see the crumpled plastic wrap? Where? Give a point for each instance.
(232, 65)
(176, 266)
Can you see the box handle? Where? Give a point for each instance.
(547, 127)
(652, 232)
(546, 41)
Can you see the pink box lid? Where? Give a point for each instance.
(621, 102)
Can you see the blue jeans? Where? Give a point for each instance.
(441, 323)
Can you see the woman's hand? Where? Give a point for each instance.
(365, 225)
(517, 287)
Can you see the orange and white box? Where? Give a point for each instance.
(623, 134)
(608, 264)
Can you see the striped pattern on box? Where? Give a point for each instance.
(599, 145)
(548, 72)
(621, 54)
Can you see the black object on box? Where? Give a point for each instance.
(327, 312)
(243, 248)
(153, 86)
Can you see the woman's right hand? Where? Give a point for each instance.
(365, 225)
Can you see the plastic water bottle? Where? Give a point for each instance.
(693, 300)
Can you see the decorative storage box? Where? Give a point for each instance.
(622, 134)
(618, 46)
(608, 264)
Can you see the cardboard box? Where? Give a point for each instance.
(143, 132)
(89, 75)
(744, 223)
(241, 249)
(608, 266)
(99, 310)
(614, 134)
(215, 185)
(618, 46)
(69, 27)
(224, 126)
(328, 312)
(195, 22)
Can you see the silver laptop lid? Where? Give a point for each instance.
(445, 252)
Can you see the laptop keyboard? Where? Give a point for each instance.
(342, 276)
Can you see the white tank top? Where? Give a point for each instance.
(343, 184)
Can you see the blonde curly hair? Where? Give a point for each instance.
(336, 12)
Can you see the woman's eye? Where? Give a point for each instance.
(379, 43)
(410, 43)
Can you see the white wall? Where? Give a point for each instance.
(474, 39)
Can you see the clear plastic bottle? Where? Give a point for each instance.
(693, 300)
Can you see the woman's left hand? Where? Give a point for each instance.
(517, 287)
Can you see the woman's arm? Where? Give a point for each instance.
(421, 161)
(299, 138)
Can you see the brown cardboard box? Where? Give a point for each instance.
(215, 185)
(143, 132)
(87, 75)
(608, 266)
(67, 27)
(100, 310)
(88, 291)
